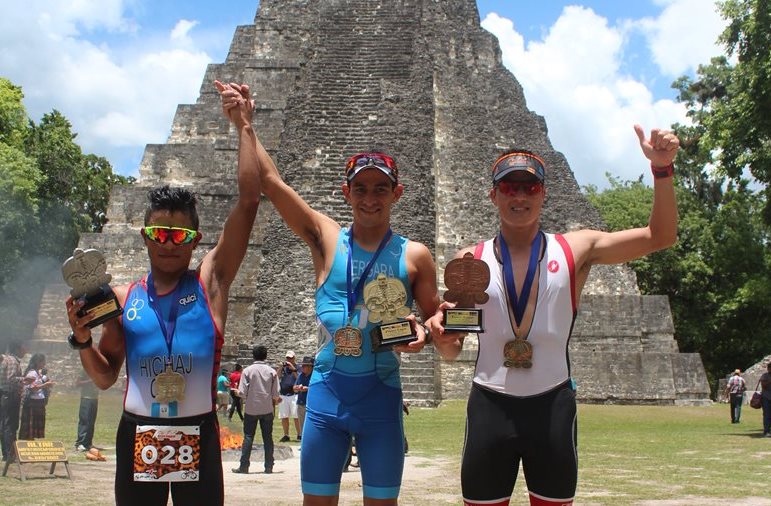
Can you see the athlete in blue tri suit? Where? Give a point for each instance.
(355, 392)
(522, 406)
(171, 336)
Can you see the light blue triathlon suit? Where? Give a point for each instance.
(354, 396)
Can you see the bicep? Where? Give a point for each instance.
(596, 247)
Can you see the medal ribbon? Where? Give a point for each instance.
(152, 296)
(353, 295)
(519, 303)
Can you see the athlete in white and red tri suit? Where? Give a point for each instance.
(171, 336)
(522, 405)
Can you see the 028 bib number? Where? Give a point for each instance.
(167, 453)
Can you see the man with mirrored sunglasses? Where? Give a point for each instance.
(354, 391)
(522, 406)
(171, 337)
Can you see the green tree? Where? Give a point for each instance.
(717, 276)
(730, 104)
(50, 192)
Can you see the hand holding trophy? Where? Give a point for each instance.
(86, 273)
(466, 280)
(385, 298)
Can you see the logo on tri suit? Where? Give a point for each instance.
(188, 300)
(553, 266)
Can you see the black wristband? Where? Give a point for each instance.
(77, 345)
(663, 172)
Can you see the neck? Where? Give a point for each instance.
(369, 237)
(164, 282)
(520, 238)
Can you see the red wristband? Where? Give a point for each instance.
(663, 172)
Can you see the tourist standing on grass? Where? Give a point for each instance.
(89, 405)
(353, 391)
(33, 407)
(287, 410)
(12, 381)
(301, 389)
(223, 391)
(765, 400)
(235, 399)
(522, 406)
(259, 390)
(735, 389)
(171, 337)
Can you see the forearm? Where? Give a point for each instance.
(663, 218)
(99, 368)
(249, 184)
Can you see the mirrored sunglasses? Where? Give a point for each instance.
(510, 188)
(177, 235)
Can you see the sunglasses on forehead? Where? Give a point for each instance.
(378, 160)
(177, 235)
(511, 188)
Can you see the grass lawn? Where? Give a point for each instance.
(627, 454)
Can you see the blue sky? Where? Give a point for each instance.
(118, 68)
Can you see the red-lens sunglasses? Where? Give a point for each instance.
(510, 188)
(177, 235)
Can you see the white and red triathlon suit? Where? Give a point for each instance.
(518, 414)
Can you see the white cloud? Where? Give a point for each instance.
(115, 96)
(574, 77)
(684, 35)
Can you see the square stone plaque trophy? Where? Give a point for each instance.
(466, 280)
(386, 298)
(86, 273)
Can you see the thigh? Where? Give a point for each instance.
(551, 463)
(127, 491)
(250, 424)
(209, 489)
(266, 426)
(490, 461)
(380, 449)
(324, 452)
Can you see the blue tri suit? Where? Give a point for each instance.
(354, 396)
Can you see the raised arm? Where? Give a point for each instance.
(220, 266)
(595, 247)
(316, 229)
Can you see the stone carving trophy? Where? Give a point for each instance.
(86, 273)
(386, 298)
(466, 280)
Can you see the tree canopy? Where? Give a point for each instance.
(50, 192)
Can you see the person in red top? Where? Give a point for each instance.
(235, 400)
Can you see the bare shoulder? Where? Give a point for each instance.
(419, 255)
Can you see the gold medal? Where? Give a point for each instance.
(386, 299)
(348, 341)
(518, 354)
(169, 386)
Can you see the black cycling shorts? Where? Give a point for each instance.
(209, 490)
(502, 430)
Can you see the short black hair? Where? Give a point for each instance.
(172, 199)
(260, 352)
(238, 367)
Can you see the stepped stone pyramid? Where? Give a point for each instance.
(421, 80)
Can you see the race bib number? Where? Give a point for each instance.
(167, 453)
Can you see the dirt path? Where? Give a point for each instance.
(426, 481)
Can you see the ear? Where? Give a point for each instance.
(197, 239)
(398, 192)
(346, 191)
(492, 194)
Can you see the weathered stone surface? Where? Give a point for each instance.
(421, 80)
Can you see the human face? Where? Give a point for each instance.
(371, 194)
(519, 198)
(169, 257)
